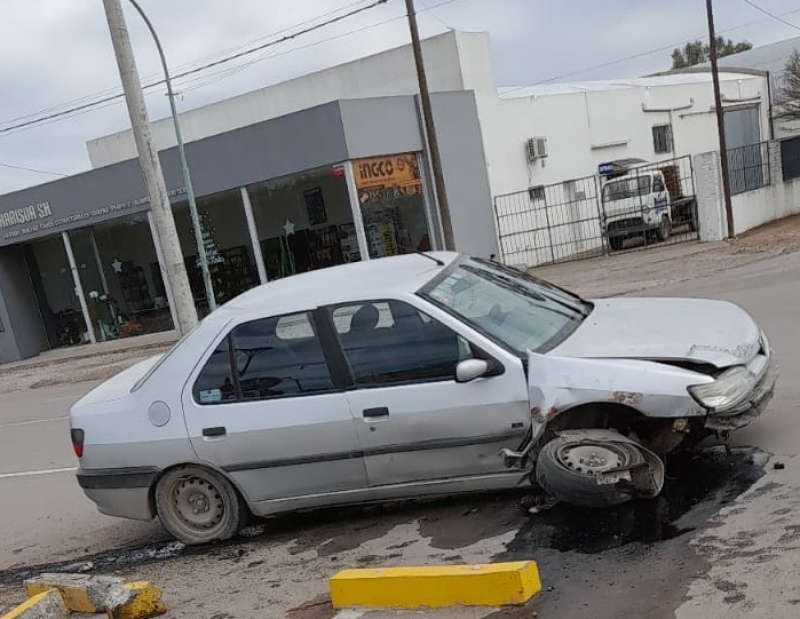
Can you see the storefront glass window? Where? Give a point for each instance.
(227, 244)
(304, 221)
(392, 204)
(55, 289)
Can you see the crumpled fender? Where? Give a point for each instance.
(557, 384)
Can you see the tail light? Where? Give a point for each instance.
(77, 441)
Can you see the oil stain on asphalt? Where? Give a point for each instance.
(630, 561)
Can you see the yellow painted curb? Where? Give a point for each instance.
(45, 605)
(146, 602)
(497, 584)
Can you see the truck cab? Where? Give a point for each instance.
(642, 200)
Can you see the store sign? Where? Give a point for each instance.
(25, 214)
(385, 172)
(39, 219)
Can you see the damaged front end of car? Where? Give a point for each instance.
(602, 428)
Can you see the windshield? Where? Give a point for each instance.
(518, 311)
(626, 188)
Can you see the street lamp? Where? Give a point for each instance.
(187, 180)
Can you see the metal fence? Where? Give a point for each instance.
(790, 158)
(748, 167)
(637, 208)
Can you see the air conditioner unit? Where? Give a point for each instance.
(536, 148)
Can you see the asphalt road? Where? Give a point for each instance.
(45, 517)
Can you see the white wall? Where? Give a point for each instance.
(386, 74)
(585, 129)
(750, 209)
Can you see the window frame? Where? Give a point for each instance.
(667, 148)
(496, 367)
(322, 335)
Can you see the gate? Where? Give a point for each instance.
(624, 208)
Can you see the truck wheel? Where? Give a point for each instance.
(693, 221)
(615, 242)
(664, 229)
(566, 468)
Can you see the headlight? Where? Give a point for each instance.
(727, 391)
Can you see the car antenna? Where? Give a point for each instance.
(429, 257)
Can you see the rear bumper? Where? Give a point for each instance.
(751, 407)
(124, 493)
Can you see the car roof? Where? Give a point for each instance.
(356, 281)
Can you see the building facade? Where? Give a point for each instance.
(322, 170)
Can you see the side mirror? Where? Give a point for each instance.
(471, 369)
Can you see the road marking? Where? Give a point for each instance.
(70, 469)
(15, 424)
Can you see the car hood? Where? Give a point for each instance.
(702, 331)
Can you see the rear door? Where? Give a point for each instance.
(414, 422)
(266, 408)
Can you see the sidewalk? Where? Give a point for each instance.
(152, 343)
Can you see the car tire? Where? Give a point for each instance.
(197, 505)
(664, 228)
(615, 242)
(560, 472)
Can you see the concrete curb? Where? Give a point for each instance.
(498, 584)
(47, 605)
(54, 596)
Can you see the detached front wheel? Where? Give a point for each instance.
(198, 505)
(568, 468)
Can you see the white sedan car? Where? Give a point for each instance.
(424, 374)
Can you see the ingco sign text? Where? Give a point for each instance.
(384, 172)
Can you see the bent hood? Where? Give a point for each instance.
(702, 331)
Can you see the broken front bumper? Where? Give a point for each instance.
(751, 407)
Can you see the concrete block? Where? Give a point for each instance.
(498, 584)
(45, 605)
(146, 602)
(83, 593)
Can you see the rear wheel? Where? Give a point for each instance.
(615, 242)
(198, 505)
(568, 470)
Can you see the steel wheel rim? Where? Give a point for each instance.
(197, 504)
(591, 459)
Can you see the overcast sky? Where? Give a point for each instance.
(57, 52)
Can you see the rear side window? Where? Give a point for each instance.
(267, 358)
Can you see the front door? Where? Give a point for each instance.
(266, 410)
(413, 420)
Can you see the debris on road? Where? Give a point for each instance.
(46, 605)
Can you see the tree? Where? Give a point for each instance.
(788, 95)
(696, 52)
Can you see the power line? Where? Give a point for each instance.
(639, 55)
(26, 169)
(116, 89)
(772, 15)
(198, 69)
(105, 101)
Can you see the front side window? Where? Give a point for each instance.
(392, 342)
(267, 358)
(517, 311)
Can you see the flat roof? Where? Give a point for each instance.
(566, 88)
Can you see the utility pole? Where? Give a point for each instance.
(723, 150)
(187, 178)
(430, 129)
(160, 208)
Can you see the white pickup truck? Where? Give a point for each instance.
(646, 201)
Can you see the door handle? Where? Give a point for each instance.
(214, 432)
(373, 413)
